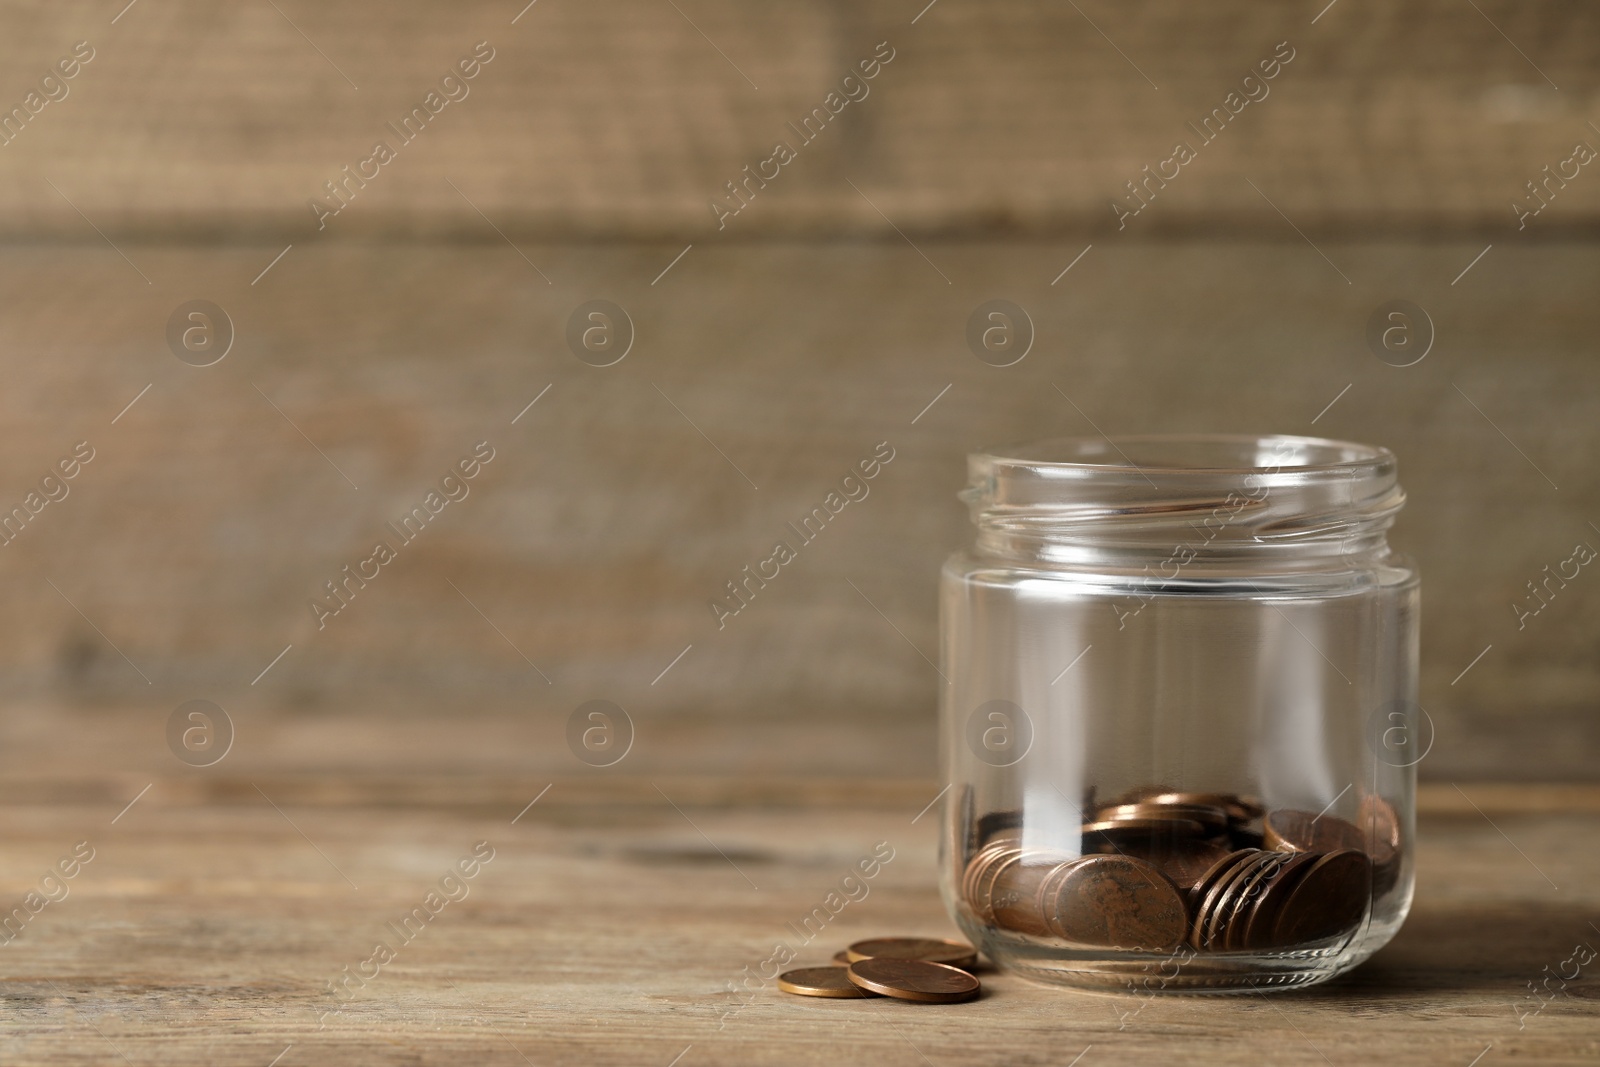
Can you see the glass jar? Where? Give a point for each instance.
(1179, 720)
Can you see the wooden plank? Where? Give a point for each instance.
(591, 547)
(203, 933)
(626, 119)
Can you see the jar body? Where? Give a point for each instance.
(1180, 768)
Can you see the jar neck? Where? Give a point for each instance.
(1170, 503)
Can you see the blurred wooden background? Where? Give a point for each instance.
(821, 321)
(621, 119)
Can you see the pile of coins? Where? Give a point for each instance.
(921, 969)
(1160, 869)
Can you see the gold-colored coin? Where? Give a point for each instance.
(919, 980)
(923, 949)
(820, 982)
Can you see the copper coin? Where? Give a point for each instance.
(1184, 861)
(1218, 869)
(930, 983)
(981, 861)
(1239, 808)
(1207, 815)
(1380, 827)
(1143, 792)
(920, 949)
(1246, 896)
(1257, 933)
(1013, 901)
(842, 958)
(1115, 902)
(1329, 899)
(1219, 899)
(1109, 833)
(1302, 831)
(1246, 808)
(978, 886)
(820, 982)
(1208, 895)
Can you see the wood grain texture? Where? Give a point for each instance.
(626, 119)
(608, 928)
(591, 547)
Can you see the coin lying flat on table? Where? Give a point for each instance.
(930, 983)
(820, 982)
(923, 949)
(842, 958)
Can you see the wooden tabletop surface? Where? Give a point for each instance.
(609, 922)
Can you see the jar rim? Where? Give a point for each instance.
(1215, 454)
(1217, 496)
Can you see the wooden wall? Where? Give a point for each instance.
(371, 355)
(622, 119)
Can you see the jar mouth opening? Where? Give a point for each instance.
(1209, 493)
(1180, 455)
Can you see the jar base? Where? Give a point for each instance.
(1197, 977)
(1143, 974)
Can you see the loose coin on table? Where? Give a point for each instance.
(919, 980)
(842, 958)
(923, 949)
(820, 982)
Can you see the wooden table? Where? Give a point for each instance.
(617, 913)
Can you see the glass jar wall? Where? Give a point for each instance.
(1179, 718)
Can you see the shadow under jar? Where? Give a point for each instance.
(1180, 723)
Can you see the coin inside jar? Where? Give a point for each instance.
(1258, 927)
(1113, 833)
(1247, 894)
(1013, 900)
(1288, 830)
(1115, 902)
(1381, 828)
(924, 949)
(1239, 808)
(820, 982)
(1185, 861)
(909, 979)
(1212, 817)
(1221, 897)
(1329, 899)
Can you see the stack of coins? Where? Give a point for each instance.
(1159, 868)
(921, 969)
